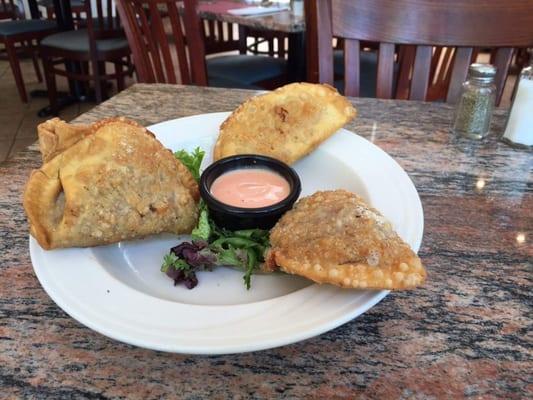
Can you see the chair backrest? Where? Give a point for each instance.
(219, 36)
(273, 41)
(77, 10)
(420, 24)
(8, 9)
(156, 37)
(103, 21)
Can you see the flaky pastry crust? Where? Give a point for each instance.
(114, 183)
(56, 135)
(335, 237)
(287, 123)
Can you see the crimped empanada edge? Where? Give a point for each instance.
(35, 207)
(223, 133)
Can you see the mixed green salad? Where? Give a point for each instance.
(211, 245)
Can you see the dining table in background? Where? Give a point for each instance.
(465, 333)
(291, 22)
(287, 21)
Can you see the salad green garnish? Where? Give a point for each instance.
(191, 160)
(202, 231)
(244, 249)
(171, 261)
(211, 245)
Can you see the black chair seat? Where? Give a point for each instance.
(245, 69)
(78, 41)
(17, 27)
(368, 73)
(50, 3)
(216, 81)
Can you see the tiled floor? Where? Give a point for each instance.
(18, 121)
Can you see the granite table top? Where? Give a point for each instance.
(467, 333)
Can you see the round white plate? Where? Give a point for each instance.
(119, 291)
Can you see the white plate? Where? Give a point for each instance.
(118, 290)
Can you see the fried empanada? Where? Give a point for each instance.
(115, 183)
(286, 124)
(335, 237)
(56, 135)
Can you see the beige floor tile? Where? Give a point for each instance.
(70, 112)
(20, 144)
(28, 127)
(5, 146)
(35, 105)
(10, 103)
(9, 125)
(4, 69)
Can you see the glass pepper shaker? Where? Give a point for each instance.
(519, 127)
(474, 108)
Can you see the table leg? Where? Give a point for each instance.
(296, 61)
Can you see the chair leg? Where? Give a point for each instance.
(270, 47)
(97, 67)
(129, 66)
(35, 62)
(15, 67)
(281, 46)
(120, 76)
(50, 83)
(242, 40)
(84, 70)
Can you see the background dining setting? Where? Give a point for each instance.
(266, 199)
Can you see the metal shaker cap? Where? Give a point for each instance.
(482, 72)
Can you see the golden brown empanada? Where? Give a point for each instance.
(115, 183)
(334, 237)
(286, 124)
(56, 135)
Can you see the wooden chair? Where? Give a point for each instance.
(22, 36)
(422, 24)
(183, 60)
(9, 10)
(275, 42)
(521, 59)
(219, 36)
(102, 41)
(77, 7)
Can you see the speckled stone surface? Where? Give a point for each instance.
(467, 333)
(284, 21)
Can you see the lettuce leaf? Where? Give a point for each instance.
(191, 160)
(202, 231)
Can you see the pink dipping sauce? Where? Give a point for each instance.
(250, 188)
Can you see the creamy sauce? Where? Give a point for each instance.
(250, 188)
